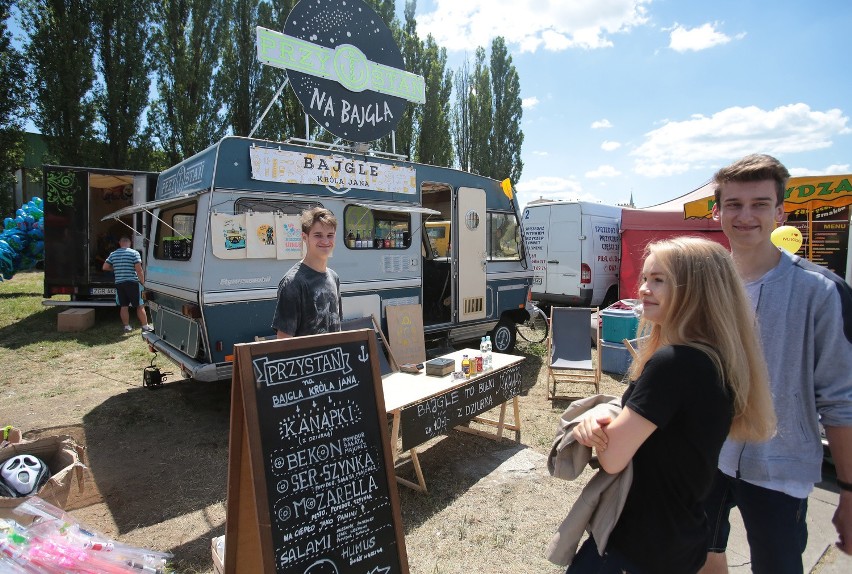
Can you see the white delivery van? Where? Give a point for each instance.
(575, 250)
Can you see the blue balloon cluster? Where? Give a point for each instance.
(22, 239)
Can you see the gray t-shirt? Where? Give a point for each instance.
(308, 302)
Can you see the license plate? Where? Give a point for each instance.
(102, 291)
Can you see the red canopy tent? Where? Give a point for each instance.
(641, 226)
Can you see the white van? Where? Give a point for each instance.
(575, 250)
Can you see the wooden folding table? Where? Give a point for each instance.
(425, 406)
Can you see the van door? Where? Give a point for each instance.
(470, 217)
(563, 254)
(536, 232)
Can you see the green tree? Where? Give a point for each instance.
(461, 117)
(59, 51)
(481, 116)
(412, 50)
(434, 144)
(185, 118)
(12, 112)
(124, 65)
(506, 137)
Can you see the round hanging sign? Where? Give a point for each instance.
(344, 67)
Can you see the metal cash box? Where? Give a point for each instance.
(440, 367)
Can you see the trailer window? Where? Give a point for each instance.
(175, 228)
(504, 238)
(365, 228)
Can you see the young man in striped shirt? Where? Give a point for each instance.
(126, 263)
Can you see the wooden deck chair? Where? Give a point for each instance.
(387, 364)
(630, 348)
(569, 352)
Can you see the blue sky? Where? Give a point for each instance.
(652, 96)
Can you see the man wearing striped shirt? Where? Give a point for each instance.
(126, 263)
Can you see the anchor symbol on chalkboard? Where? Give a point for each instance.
(363, 357)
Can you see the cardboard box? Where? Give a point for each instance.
(71, 484)
(76, 319)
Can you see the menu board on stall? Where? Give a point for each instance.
(830, 237)
(826, 240)
(311, 488)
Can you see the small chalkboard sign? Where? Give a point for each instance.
(437, 415)
(311, 488)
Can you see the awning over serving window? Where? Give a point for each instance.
(148, 206)
(398, 208)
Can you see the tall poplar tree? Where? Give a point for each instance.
(506, 137)
(412, 49)
(185, 118)
(481, 113)
(245, 86)
(12, 111)
(461, 118)
(124, 65)
(434, 144)
(59, 52)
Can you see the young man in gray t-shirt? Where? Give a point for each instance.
(309, 293)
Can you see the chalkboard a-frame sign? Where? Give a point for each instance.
(311, 488)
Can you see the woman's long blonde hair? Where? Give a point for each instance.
(708, 309)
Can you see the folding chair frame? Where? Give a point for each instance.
(577, 376)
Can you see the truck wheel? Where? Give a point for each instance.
(503, 337)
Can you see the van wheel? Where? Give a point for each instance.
(503, 337)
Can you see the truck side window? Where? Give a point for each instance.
(175, 226)
(503, 239)
(365, 228)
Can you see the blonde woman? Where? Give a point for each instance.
(699, 376)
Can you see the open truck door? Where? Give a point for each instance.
(76, 239)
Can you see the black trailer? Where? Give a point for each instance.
(76, 241)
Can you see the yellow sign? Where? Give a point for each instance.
(802, 193)
(787, 237)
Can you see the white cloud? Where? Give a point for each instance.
(601, 124)
(530, 24)
(610, 146)
(702, 142)
(834, 169)
(542, 153)
(529, 103)
(701, 38)
(603, 171)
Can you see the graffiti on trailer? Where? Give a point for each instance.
(61, 188)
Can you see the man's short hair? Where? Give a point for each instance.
(317, 215)
(123, 239)
(754, 167)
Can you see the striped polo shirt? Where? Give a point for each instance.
(123, 261)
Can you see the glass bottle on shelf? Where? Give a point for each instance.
(350, 240)
(358, 244)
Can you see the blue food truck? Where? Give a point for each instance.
(225, 228)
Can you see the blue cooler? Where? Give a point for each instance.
(618, 324)
(615, 358)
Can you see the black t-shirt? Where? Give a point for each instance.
(662, 528)
(308, 302)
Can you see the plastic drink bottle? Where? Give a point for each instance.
(466, 366)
